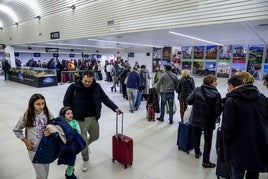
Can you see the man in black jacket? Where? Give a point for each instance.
(207, 107)
(85, 98)
(245, 129)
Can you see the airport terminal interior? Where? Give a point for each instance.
(156, 154)
(220, 37)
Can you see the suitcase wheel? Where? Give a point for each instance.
(113, 160)
(125, 166)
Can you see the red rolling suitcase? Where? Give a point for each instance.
(122, 146)
(150, 112)
(64, 78)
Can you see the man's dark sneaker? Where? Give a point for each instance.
(170, 121)
(160, 119)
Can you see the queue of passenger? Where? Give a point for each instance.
(244, 113)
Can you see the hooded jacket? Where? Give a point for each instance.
(245, 129)
(75, 97)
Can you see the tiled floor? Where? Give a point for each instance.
(155, 152)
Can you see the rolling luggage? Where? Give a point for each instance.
(185, 140)
(64, 78)
(222, 168)
(150, 112)
(122, 146)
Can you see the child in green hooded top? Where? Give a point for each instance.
(67, 113)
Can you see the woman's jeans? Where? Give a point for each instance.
(169, 97)
(237, 173)
(208, 133)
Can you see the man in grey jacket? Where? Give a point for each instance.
(167, 84)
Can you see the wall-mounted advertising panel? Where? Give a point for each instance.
(157, 55)
(225, 52)
(255, 60)
(211, 52)
(239, 58)
(199, 52)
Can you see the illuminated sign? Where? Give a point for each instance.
(55, 35)
(52, 50)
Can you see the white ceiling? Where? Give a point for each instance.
(246, 32)
(253, 32)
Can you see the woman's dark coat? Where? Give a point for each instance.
(245, 129)
(52, 147)
(185, 87)
(206, 109)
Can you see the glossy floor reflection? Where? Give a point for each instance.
(155, 151)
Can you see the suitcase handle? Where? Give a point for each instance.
(121, 125)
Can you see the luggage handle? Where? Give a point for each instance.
(122, 137)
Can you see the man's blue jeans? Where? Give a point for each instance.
(138, 99)
(169, 97)
(237, 173)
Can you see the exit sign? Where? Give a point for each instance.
(55, 35)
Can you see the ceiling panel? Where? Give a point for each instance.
(253, 32)
(247, 32)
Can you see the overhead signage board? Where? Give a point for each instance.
(52, 50)
(55, 35)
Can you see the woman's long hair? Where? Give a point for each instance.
(29, 115)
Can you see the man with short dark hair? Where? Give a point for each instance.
(85, 97)
(244, 128)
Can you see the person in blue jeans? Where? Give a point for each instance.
(167, 84)
(138, 99)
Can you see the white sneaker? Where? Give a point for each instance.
(84, 166)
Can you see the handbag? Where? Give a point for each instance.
(188, 113)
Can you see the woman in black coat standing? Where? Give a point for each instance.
(185, 87)
(207, 107)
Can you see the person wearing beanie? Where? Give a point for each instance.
(265, 80)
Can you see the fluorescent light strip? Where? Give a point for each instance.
(191, 37)
(128, 43)
(76, 45)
